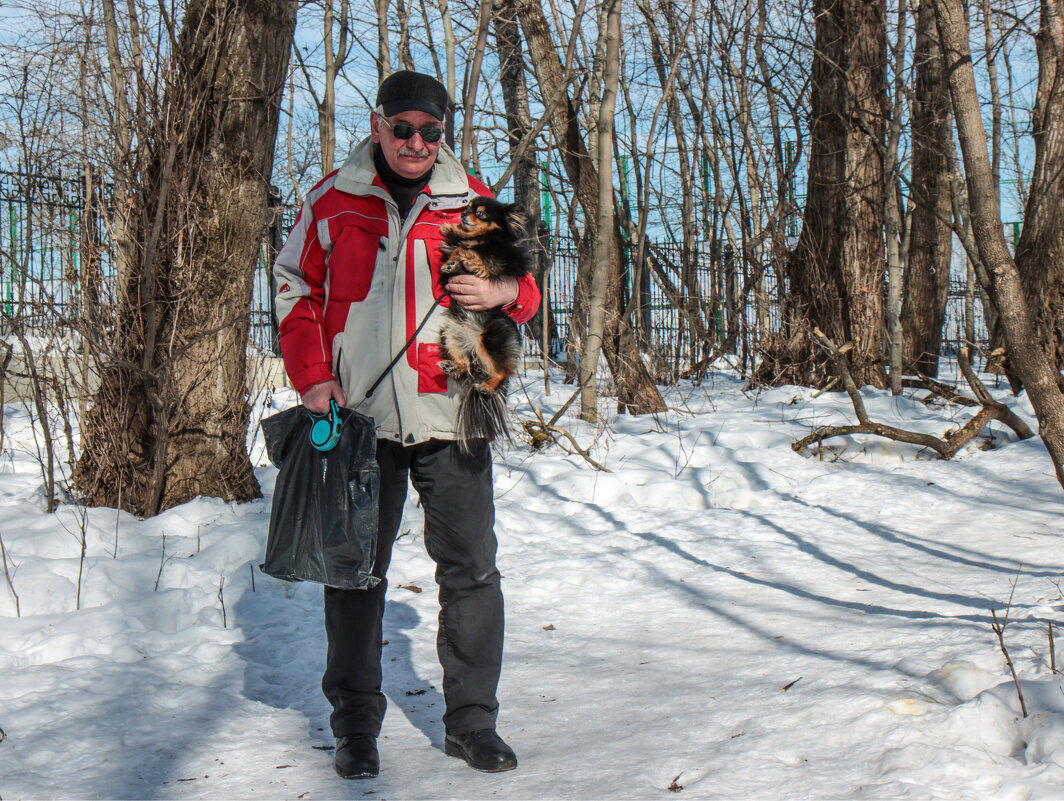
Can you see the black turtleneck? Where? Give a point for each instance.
(403, 190)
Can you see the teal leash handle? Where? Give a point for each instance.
(325, 433)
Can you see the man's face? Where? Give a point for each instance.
(410, 158)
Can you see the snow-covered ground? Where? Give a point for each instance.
(717, 617)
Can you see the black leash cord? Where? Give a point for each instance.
(406, 347)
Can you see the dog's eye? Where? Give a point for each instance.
(481, 214)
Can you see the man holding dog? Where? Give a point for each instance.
(355, 280)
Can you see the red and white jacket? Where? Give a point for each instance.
(353, 284)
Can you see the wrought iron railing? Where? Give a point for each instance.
(46, 227)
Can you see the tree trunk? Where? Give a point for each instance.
(995, 94)
(928, 268)
(384, 53)
(508, 48)
(836, 272)
(605, 254)
(1040, 251)
(636, 391)
(998, 363)
(449, 45)
(976, 274)
(894, 212)
(119, 220)
(664, 55)
(335, 58)
(1039, 376)
(470, 101)
(170, 419)
(402, 17)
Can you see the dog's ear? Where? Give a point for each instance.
(516, 219)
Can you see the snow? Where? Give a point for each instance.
(717, 614)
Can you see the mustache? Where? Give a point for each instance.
(409, 151)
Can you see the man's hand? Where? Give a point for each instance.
(480, 294)
(317, 398)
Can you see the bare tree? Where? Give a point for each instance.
(835, 274)
(469, 105)
(893, 207)
(521, 149)
(402, 16)
(1040, 250)
(1039, 376)
(384, 56)
(169, 421)
(605, 252)
(928, 265)
(450, 80)
(334, 56)
(635, 389)
(123, 156)
(667, 47)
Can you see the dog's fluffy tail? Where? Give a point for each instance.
(482, 416)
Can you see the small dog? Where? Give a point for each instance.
(481, 349)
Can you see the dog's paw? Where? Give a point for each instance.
(450, 368)
(454, 266)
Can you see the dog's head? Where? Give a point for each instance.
(486, 214)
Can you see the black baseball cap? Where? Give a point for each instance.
(412, 91)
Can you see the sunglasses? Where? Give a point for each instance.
(404, 131)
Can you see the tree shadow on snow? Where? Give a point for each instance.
(703, 600)
(421, 702)
(865, 608)
(284, 651)
(957, 553)
(284, 654)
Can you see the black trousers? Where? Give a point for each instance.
(456, 495)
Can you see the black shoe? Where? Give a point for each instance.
(356, 757)
(483, 750)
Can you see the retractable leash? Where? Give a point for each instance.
(325, 433)
(406, 347)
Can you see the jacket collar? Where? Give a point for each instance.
(357, 173)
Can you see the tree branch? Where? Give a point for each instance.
(946, 446)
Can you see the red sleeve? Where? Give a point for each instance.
(526, 305)
(299, 277)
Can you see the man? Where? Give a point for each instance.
(356, 278)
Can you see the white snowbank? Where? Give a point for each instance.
(717, 614)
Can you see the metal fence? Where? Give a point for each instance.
(46, 228)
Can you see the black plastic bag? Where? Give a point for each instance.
(323, 524)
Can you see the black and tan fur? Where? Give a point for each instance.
(481, 349)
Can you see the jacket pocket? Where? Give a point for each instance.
(430, 378)
(356, 246)
(430, 238)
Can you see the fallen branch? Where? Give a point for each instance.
(938, 389)
(541, 431)
(576, 446)
(946, 446)
(1052, 650)
(1008, 417)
